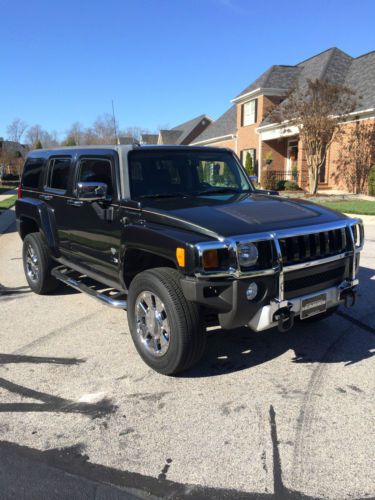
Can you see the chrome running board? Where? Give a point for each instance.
(109, 297)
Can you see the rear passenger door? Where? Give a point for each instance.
(95, 230)
(57, 179)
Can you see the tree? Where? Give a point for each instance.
(357, 155)
(16, 129)
(105, 129)
(318, 110)
(33, 135)
(38, 145)
(249, 164)
(76, 133)
(69, 141)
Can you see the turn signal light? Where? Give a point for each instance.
(180, 256)
(211, 259)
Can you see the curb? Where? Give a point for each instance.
(7, 218)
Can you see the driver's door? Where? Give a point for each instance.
(94, 226)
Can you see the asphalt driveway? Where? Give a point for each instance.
(264, 414)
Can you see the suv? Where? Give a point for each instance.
(181, 239)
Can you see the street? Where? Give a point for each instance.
(289, 415)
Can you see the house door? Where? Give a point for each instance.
(291, 170)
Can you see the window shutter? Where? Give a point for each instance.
(255, 111)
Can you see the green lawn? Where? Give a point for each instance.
(360, 207)
(7, 187)
(8, 202)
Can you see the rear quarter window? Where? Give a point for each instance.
(32, 172)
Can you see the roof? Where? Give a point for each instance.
(186, 128)
(337, 67)
(169, 136)
(280, 77)
(225, 125)
(149, 138)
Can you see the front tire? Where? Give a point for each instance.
(167, 330)
(37, 264)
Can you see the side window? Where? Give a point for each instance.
(58, 174)
(95, 170)
(31, 172)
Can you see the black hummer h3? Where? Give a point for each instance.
(179, 237)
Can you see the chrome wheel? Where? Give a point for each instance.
(152, 323)
(32, 264)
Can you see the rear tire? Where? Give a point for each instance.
(38, 264)
(167, 330)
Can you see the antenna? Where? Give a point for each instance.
(114, 123)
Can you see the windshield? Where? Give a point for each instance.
(164, 173)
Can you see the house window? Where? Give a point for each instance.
(252, 153)
(249, 112)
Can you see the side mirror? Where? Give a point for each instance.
(92, 191)
(253, 178)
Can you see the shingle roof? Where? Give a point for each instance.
(338, 67)
(224, 125)
(187, 127)
(170, 136)
(281, 77)
(361, 78)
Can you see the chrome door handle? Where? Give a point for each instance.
(75, 203)
(46, 197)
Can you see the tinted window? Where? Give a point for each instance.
(59, 173)
(94, 170)
(31, 172)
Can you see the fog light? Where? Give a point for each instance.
(252, 291)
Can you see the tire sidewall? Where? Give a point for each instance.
(165, 363)
(31, 240)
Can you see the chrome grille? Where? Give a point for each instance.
(314, 246)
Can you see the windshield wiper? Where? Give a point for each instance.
(219, 191)
(164, 195)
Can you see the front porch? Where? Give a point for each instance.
(283, 161)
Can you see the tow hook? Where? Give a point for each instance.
(285, 318)
(349, 297)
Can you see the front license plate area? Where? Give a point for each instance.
(313, 305)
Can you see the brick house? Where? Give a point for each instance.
(247, 128)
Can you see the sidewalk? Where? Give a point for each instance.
(8, 194)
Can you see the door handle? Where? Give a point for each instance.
(75, 203)
(46, 197)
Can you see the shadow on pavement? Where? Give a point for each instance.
(234, 350)
(48, 402)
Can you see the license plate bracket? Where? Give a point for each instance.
(313, 305)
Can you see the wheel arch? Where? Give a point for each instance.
(137, 260)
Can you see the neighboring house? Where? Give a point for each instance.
(184, 133)
(247, 127)
(12, 155)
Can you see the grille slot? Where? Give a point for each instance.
(312, 280)
(296, 249)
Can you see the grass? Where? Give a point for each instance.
(359, 207)
(7, 187)
(8, 202)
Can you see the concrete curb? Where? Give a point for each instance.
(7, 218)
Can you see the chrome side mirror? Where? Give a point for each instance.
(92, 191)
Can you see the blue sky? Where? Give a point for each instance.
(161, 61)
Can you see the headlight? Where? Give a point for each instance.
(247, 254)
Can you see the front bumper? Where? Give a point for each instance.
(266, 316)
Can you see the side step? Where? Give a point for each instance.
(110, 297)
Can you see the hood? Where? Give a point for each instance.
(229, 215)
